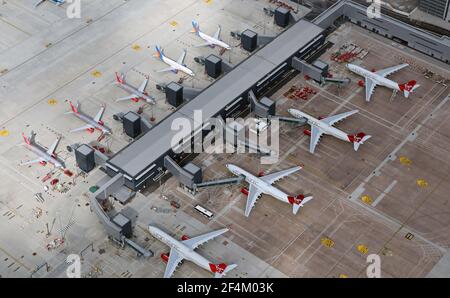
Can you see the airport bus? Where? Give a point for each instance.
(204, 211)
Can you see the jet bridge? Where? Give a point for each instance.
(119, 227)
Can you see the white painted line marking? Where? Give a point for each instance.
(386, 191)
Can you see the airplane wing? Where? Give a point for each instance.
(174, 260)
(181, 59)
(217, 35)
(336, 118)
(167, 69)
(195, 242)
(99, 115)
(32, 162)
(52, 148)
(130, 97)
(390, 70)
(370, 87)
(82, 128)
(272, 178)
(143, 86)
(253, 195)
(316, 134)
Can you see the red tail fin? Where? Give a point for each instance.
(27, 141)
(356, 138)
(296, 200)
(119, 78)
(407, 86)
(218, 268)
(74, 109)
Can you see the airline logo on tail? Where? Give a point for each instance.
(358, 139)
(196, 29)
(159, 53)
(408, 87)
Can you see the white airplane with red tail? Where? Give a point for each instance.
(263, 185)
(136, 94)
(374, 78)
(185, 249)
(323, 126)
(44, 155)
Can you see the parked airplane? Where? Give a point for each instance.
(56, 2)
(185, 249)
(211, 41)
(44, 155)
(372, 79)
(136, 93)
(175, 66)
(325, 126)
(263, 185)
(92, 123)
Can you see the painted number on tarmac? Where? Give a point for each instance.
(136, 47)
(405, 161)
(422, 183)
(4, 133)
(96, 74)
(52, 102)
(362, 249)
(367, 199)
(327, 242)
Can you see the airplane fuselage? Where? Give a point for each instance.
(187, 253)
(213, 41)
(96, 125)
(379, 80)
(263, 186)
(177, 66)
(313, 122)
(132, 90)
(42, 153)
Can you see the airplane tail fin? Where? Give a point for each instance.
(75, 109)
(408, 88)
(358, 139)
(120, 78)
(298, 202)
(159, 53)
(196, 27)
(26, 139)
(221, 270)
